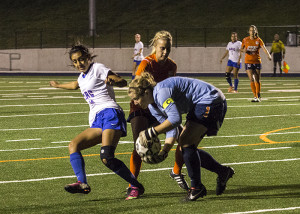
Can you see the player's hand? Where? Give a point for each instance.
(146, 136)
(270, 58)
(109, 81)
(53, 84)
(160, 157)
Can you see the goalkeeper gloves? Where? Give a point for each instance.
(157, 158)
(146, 136)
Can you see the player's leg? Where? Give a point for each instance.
(138, 124)
(189, 139)
(175, 173)
(134, 69)
(252, 84)
(257, 83)
(274, 67)
(88, 138)
(236, 78)
(228, 77)
(280, 70)
(114, 126)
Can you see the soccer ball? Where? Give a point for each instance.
(146, 153)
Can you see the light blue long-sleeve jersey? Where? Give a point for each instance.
(178, 95)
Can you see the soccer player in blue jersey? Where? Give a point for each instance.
(205, 106)
(106, 119)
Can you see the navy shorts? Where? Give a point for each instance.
(252, 67)
(111, 118)
(209, 115)
(137, 62)
(234, 64)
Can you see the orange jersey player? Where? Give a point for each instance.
(160, 71)
(161, 67)
(251, 46)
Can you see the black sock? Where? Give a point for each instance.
(209, 163)
(192, 161)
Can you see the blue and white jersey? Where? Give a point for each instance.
(98, 95)
(234, 50)
(178, 95)
(137, 47)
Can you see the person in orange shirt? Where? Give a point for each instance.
(161, 67)
(251, 46)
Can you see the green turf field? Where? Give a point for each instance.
(259, 140)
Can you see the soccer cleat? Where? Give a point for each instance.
(230, 89)
(255, 100)
(135, 192)
(180, 180)
(78, 188)
(222, 180)
(235, 91)
(194, 193)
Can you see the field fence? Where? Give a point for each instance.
(122, 38)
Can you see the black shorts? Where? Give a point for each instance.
(211, 116)
(277, 57)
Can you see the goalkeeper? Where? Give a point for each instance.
(206, 107)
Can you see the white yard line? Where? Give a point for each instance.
(265, 149)
(59, 104)
(265, 210)
(50, 114)
(22, 140)
(147, 170)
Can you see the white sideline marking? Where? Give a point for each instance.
(41, 128)
(263, 161)
(285, 90)
(273, 148)
(13, 150)
(265, 210)
(30, 115)
(23, 140)
(288, 100)
(147, 170)
(60, 104)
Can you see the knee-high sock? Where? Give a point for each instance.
(135, 163)
(118, 167)
(178, 161)
(192, 161)
(209, 163)
(78, 165)
(253, 88)
(236, 83)
(228, 79)
(257, 87)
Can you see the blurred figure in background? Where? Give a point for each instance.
(278, 51)
(137, 54)
(233, 50)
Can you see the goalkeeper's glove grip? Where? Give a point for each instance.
(150, 133)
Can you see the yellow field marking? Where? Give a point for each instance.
(266, 139)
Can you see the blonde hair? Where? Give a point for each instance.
(141, 83)
(165, 35)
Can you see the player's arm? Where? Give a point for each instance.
(115, 80)
(141, 68)
(70, 85)
(226, 53)
(267, 52)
